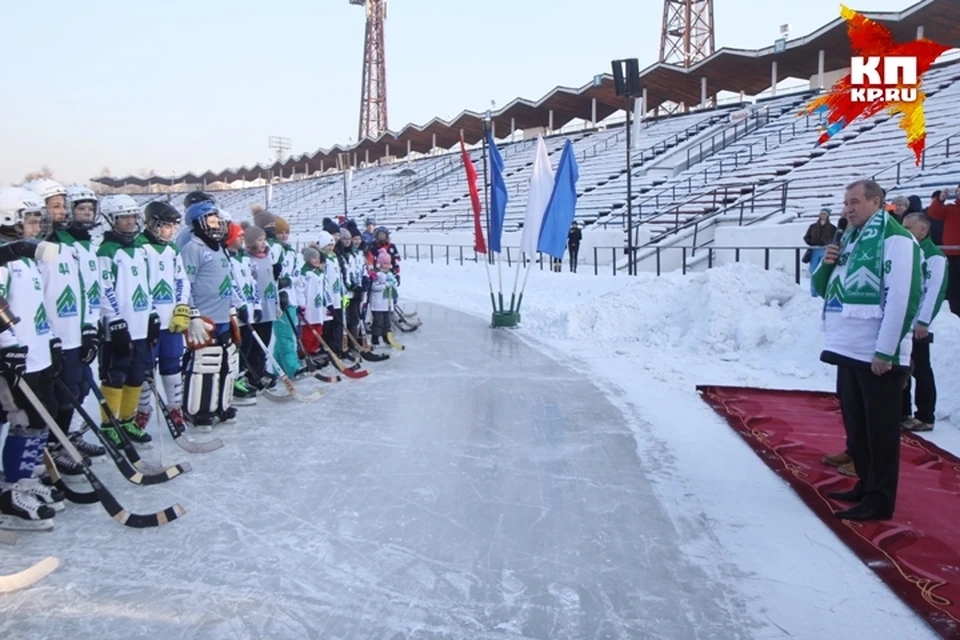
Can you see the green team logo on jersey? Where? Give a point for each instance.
(318, 301)
(225, 288)
(67, 304)
(270, 293)
(248, 293)
(162, 293)
(140, 302)
(40, 321)
(93, 295)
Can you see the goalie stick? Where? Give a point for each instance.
(291, 389)
(27, 577)
(110, 504)
(178, 436)
(337, 362)
(129, 472)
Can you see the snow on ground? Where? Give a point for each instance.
(648, 341)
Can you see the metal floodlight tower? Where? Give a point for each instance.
(688, 33)
(279, 145)
(373, 87)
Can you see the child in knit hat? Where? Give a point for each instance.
(262, 269)
(332, 328)
(246, 301)
(383, 292)
(313, 285)
(287, 266)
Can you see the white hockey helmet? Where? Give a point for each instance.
(16, 203)
(46, 188)
(76, 194)
(118, 206)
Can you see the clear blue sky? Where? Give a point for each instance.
(184, 85)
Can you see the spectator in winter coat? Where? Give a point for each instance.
(899, 206)
(368, 235)
(382, 241)
(818, 236)
(950, 215)
(573, 244)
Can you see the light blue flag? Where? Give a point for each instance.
(498, 194)
(563, 206)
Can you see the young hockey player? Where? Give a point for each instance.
(28, 355)
(246, 301)
(212, 362)
(189, 200)
(261, 266)
(285, 342)
(354, 270)
(171, 295)
(383, 289)
(382, 241)
(332, 328)
(314, 292)
(64, 298)
(132, 325)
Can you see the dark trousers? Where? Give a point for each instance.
(849, 447)
(926, 385)
(41, 383)
(574, 253)
(71, 375)
(381, 324)
(353, 315)
(256, 358)
(129, 370)
(333, 332)
(953, 284)
(871, 415)
(247, 344)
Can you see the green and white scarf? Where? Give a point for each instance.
(861, 291)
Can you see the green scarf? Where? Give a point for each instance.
(861, 291)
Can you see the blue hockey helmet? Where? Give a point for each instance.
(198, 217)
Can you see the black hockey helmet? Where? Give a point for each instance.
(159, 212)
(194, 197)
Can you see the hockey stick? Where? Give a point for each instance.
(403, 325)
(270, 394)
(313, 397)
(114, 508)
(365, 352)
(337, 362)
(74, 496)
(311, 367)
(27, 577)
(178, 436)
(128, 447)
(127, 469)
(393, 343)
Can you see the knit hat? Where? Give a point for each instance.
(251, 235)
(370, 221)
(324, 239)
(826, 210)
(354, 230)
(282, 225)
(264, 219)
(916, 205)
(234, 231)
(309, 253)
(383, 259)
(330, 227)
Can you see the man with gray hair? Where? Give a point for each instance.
(900, 205)
(871, 286)
(934, 270)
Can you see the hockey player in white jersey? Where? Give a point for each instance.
(246, 300)
(130, 320)
(171, 295)
(25, 353)
(212, 362)
(63, 296)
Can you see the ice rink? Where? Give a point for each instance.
(470, 487)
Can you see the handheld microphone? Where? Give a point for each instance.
(841, 228)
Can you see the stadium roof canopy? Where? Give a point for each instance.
(736, 70)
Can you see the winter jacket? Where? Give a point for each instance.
(950, 214)
(819, 235)
(383, 289)
(574, 238)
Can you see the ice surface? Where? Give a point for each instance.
(470, 487)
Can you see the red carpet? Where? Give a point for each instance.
(918, 552)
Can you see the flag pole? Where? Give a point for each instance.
(524, 287)
(486, 206)
(516, 279)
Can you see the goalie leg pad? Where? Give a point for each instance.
(202, 379)
(231, 369)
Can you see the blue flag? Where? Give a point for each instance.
(498, 194)
(563, 206)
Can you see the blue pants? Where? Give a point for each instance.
(72, 377)
(169, 352)
(816, 256)
(129, 371)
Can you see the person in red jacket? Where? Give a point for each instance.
(950, 215)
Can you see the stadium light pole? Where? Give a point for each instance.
(626, 79)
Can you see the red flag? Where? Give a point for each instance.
(479, 245)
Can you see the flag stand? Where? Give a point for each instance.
(500, 318)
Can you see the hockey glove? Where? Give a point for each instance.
(13, 361)
(119, 335)
(198, 331)
(257, 315)
(345, 301)
(283, 283)
(331, 310)
(284, 300)
(153, 330)
(243, 315)
(277, 270)
(180, 320)
(56, 355)
(89, 343)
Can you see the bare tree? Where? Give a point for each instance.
(43, 172)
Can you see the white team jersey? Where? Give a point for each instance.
(245, 294)
(20, 284)
(312, 286)
(63, 294)
(89, 280)
(334, 283)
(126, 286)
(168, 283)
